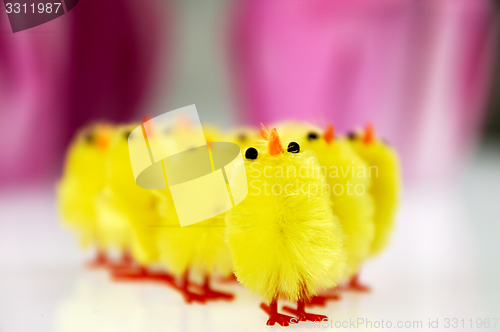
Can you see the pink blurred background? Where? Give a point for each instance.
(422, 71)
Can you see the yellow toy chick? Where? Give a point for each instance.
(84, 177)
(349, 188)
(384, 171)
(284, 239)
(197, 250)
(128, 212)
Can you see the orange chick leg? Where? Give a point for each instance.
(131, 273)
(320, 300)
(189, 296)
(100, 260)
(124, 263)
(211, 294)
(302, 315)
(274, 316)
(355, 285)
(141, 273)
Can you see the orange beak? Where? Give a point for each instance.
(329, 133)
(369, 136)
(149, 127)
(274, 146)
(102, 140)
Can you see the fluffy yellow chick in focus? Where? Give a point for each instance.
(349, 188)
(284, 238)
(384, 171)
(84, 176)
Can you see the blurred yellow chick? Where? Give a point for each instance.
(384, 171)
(128, 213)
(284, 239)
(212, 133)
(84, 177)
(197, 250)
(243, 136)
(349, 189)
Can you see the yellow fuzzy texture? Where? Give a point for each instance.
(84, 176)
(349, 188)
(200, 247)
(286, 244)
(127, 212)
(385, 173)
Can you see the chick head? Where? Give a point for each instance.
(119, 167)
(309, 136)
(277, 160)
(88, 150)
(366, 136)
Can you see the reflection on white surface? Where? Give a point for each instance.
(443, 263)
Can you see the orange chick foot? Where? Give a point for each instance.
(126, 262)
(162, 277)
(190, 297)
(130, 274)
(355, 285)
(302, 315)
(275, 317)
(99, 261)
(211, 294)
(320, 300)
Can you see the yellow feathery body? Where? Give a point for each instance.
(349, 188)
(128, 213)
(83, 178)
(285, 243)
(384, 171)
(200, 247)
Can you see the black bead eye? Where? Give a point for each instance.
(127, 134)
(90, 138)
(352, 135)
(293, 147)
(242, 137)
(312, 136)
(251, 153)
